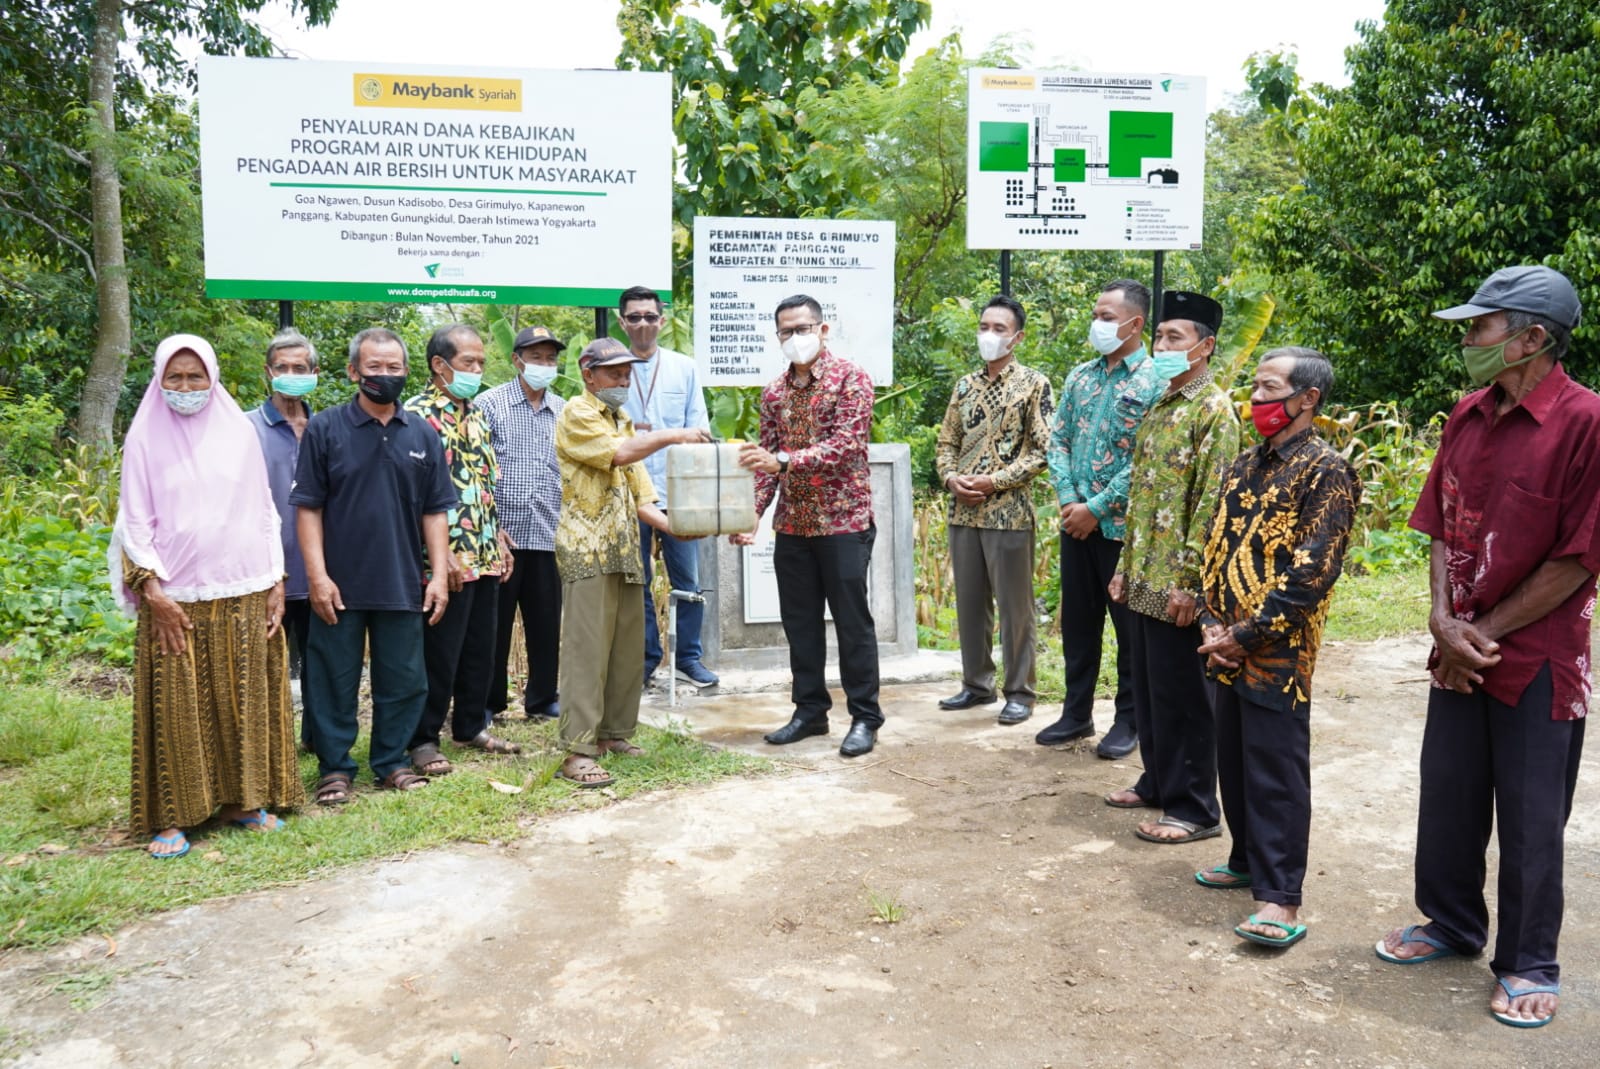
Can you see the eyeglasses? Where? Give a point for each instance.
(641, 317)
(803, 329)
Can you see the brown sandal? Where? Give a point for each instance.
(489, 744)
(402, 779)
(428, 761)
(581, 768)
(332, 789)
(620, 747)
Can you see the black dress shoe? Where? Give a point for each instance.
(1064, 730)
(965, 700)
(1120, 741)
(858, 741)
(795, 730)
(1015, 713)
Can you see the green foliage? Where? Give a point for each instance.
(28, 430)
(54, 599)
(1468, 140)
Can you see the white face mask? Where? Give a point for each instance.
(802, 349)
(1103, 336)
(538, 376)
(992, 346)
(186, 402)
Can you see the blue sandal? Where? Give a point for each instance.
(1414, 934)
(170, 840)
(1293, 933)
(1514, 993)
(257, 821)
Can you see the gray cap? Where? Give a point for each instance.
(1542, 291)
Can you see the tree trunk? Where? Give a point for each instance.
(97, 409)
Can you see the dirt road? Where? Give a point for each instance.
(744, 925)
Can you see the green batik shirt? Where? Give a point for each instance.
(997, 427)
(474, 524)
(1187, 440)
(1091, 444)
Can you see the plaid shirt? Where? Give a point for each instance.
(528, 494)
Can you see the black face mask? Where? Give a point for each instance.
(383, 389)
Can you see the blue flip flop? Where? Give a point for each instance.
(1514, 993)
(1240, 879)
(1293, 933)
(1414, 934)
(171, 840)
(257, 821)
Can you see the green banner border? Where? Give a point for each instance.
(429, 291)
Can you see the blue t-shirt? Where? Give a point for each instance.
(373, 482)
(282, 451)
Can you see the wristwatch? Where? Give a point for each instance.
(783, 462)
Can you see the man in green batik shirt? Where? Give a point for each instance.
(1187, 440)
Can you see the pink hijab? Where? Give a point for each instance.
(195, 507)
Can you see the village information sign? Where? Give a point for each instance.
(1085, 160)
(744, 267)
(396, 182)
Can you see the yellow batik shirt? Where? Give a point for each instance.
(1274, 549)
(598, 533)
(997, 427)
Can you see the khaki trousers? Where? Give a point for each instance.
(995, 567)
(602, 661)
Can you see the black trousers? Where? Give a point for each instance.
(1172, 710)
(458, 654)
(831, 569)
(1485, 762)
(1264, 770)
(535, 588)
(1087, 566)
(297, 624)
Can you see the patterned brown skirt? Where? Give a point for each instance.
(212, 726)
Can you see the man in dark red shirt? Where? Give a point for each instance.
(1513, 507)
(815, 421)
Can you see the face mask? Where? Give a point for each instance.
(991, 346)
(1484, 362)
(1103, 336)
(1270, 417)
(538, 376)
(294, 385)
(613, 397)
(383, 389)
(1170, 363)
(802, 348)
(186, 402)
(465, 384)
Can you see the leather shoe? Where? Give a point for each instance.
(1064, 730)
(795, 730)
(1015, 713)
(965, 700)
(858, 741)
(1120, 741)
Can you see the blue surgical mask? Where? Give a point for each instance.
(539, 376)
(1170, 363)
(465, 384)
(294, 385)
(186, 402)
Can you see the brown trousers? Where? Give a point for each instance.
(602, 661)
(995, 567)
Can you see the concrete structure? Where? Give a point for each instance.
(732, 643)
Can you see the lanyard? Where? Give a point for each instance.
(644, 398)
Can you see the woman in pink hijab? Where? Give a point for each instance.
(196, 556)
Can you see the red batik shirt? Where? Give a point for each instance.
(824, 427)
(1507, 495)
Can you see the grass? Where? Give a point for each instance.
(886, 909)
(68, 867)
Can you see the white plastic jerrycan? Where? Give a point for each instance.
(708, 493)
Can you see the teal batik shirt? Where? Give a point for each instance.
(1091, 446)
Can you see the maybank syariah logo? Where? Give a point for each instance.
(435, 91)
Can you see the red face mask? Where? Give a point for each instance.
(1270, 417)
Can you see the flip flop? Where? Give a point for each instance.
(1140, 804)
(1414, 934)
(1192, 833)
(258, 821)
(170, 840)
(1295, 933)
(1514, 993)
(1240, 879)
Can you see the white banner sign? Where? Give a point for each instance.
(1079, 160)
(744, 267)
(395, 182)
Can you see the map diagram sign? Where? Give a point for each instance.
(396, 182)
(744, 267)
(1080, 160)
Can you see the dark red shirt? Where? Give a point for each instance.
(824, 426)
(1506, 496)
